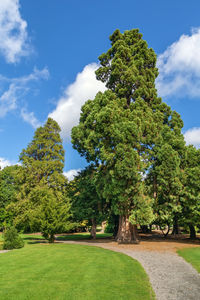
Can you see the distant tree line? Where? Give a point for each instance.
(140, 171)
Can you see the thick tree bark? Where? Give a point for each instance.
(127, 233)
(192, 232)
(94, 227)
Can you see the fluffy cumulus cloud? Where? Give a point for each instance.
(192, 137)
(179, 67)
(13, 31)
(71, 174)
(4, 163)
(68, 109)
(14, 89)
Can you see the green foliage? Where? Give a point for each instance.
(129, 67)
(86, 202)
(42, 203)
(51, 213)
(164, 182)
(143, 214)
(109, 228)
(190, 196)
(43, 159)
(8, 189)
(119, 129)
(12, 240)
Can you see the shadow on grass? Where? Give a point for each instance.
(159, 238)
(33, 238)
(37, 242)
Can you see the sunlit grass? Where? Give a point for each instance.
(63, 271)
(191, 255)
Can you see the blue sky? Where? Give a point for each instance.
(49, 51)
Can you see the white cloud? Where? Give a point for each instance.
(4, 163)
(68, 109)
(192, 136)
(30, 118)
(13, 31)
(71, 174)
(13, 90)
(8, 100)
(179, 67)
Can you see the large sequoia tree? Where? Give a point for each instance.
(119, 129)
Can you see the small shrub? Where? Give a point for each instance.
(12, 240)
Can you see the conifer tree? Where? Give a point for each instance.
(43, 159)
(41, 202)
(8, 190)
(120, 127)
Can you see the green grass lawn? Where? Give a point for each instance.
(191, 255)
(64, 237)
(60, 271)
(37, 238)
(83, 236)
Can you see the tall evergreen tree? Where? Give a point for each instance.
(8, 190)
(43, 159)
(42, 203)
(119, 128)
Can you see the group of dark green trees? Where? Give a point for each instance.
(140, 172)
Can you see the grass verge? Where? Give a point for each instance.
(191, 255)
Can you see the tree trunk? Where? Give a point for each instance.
(127, 233)
(93, 230)
(145, 229)
(116, 226)
(51, 238)
(176, 229)
(192, 232)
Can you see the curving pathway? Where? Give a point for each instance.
(171, 277)
(3, 251)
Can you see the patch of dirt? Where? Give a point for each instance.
(158, 246)
(153, 242)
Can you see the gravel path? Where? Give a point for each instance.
(171, 277)
(3, 251)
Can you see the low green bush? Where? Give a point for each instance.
(12, 240)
